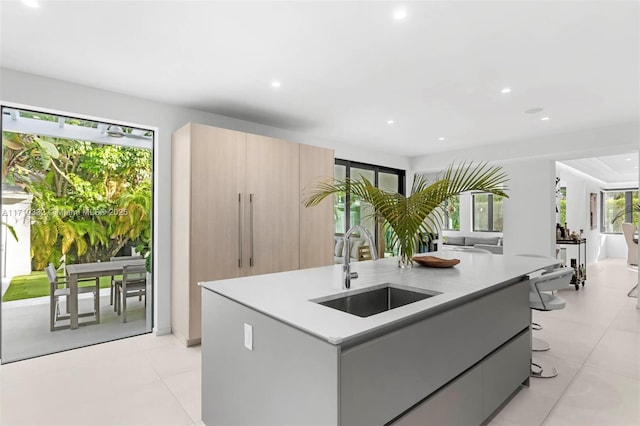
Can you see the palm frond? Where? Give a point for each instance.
(421, 212)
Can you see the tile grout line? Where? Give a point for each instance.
(194, 421)
(174, 396)
(184, 410)
(582, 364)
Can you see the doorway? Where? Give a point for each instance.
(348, 209)
(76, 198)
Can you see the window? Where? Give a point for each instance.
(451, 210)
(618, 207)
(562, 205)
(348, 210)
(487, 212)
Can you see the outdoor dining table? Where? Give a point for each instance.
(92, 270)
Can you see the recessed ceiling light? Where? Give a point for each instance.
(506, 90)
(545, 119)
(441, 138)
(534, 110)
(275, 83)
(399, 14)
(390, 122)
(31, 3)
(627, 159)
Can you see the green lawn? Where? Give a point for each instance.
(36, 284)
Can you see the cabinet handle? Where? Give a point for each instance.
(239, 230)
(251, 259)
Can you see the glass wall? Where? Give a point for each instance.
(618, 207)
(77, 212)
(487, 212)
(339, 202)
(451, 210)
(362, 213)
(562, 205)
(350, 211)
(389, 182)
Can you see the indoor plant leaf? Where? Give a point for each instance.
(407, 217)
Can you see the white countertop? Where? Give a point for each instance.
(286, 296)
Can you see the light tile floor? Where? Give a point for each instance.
(150, 380)
(595, 345)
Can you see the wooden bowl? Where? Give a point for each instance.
(435, 262)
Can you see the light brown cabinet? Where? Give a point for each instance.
(316, 223)
(236, 211)
(273, 219)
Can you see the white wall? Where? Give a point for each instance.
(579, 187)
(615, 245)
(529, 212)
(45, 93)
(529, 224)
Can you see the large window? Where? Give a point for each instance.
(451, 210)
(349, 210)
(487, 212)
(618, 207)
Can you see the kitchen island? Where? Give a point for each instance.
(272, 353)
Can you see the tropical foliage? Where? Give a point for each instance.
(619, 207)
(89, 200)
(420, 213)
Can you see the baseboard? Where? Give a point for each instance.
(194, 342)
(187, 342)
(162, 331)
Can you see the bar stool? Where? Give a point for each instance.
(541, 298)
(539, 345)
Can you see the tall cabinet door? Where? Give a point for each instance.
(217, 182)
(316, 223)
(273, 205)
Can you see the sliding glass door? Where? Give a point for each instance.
(350, 211)
(76, 224)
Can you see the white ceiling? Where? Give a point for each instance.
(347, 67)
(612, 170)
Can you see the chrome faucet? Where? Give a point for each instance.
(348, 275)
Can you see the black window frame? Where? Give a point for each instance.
(628, 207)
(377, 170)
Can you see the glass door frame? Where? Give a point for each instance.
(152, 310)
(377, 170)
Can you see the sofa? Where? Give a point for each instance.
(359, 250)
(492, 244)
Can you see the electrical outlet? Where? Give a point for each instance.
(248, 336)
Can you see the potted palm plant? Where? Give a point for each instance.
(408, 217)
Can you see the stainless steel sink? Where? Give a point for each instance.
(376, 299)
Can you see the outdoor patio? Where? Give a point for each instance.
(25, 326)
